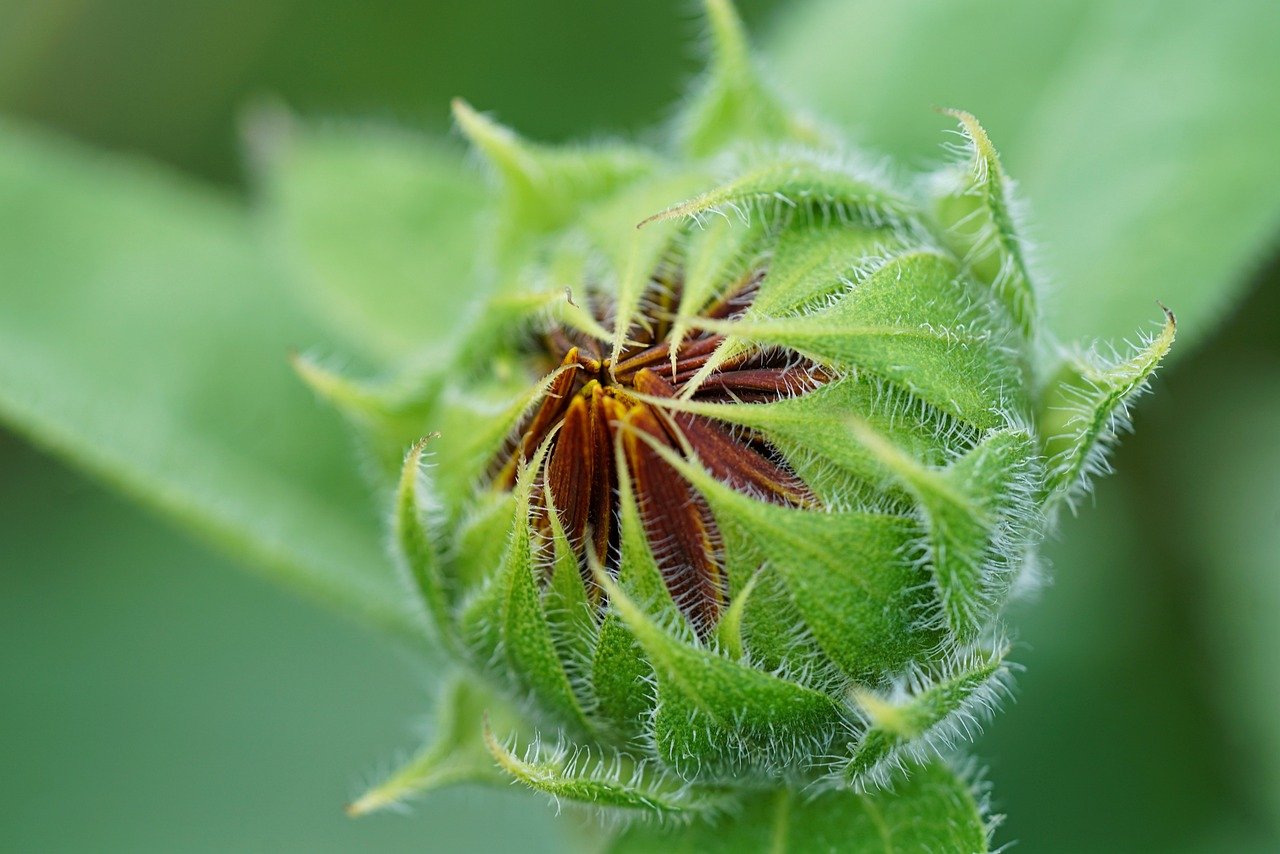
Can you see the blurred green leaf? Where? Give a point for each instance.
(379, 227)
(1143, 133)
(932, 810)
(144, 337)
(1227, 499)
(167, 702)
(1111, 701)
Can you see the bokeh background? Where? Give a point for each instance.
(155, 697)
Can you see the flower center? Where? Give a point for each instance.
(598, 415)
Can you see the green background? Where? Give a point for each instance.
(155, 698)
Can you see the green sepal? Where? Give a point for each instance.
(717, 257)
(933, 809)
(974, 206)
(938, 339)
(798, 185)
(811, 431)
(455, 754)
(814, 260)
(1085, 407)
(774, 632)
(631, 255)
(622, 676)
(922, 713)
(387, 416)
(505, 625)
(416, 548)
(730, 631)
(605, 780)
(979, 515)
(570, 615)
(473, 426)
(502, 318)
(545, 188)
(734, 105)
(716, 717)
(847, 572)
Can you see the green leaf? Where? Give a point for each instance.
(1142, 133)
(1215, 474)
(144, 337)
(379, 227)
(932, 810)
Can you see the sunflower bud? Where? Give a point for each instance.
(734, 471)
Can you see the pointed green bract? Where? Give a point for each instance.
(975, 211)
(527, 645)
(815, 260)
(713, 715)
(848, 574)
(415, 547)
(455, 754)
(922, 715)
(542, 187)
(730, 629)
(1085, 408)
(734, 105)
(979, 514)
(936, 340)
(611, 782)
(622, 677)
(387, 416)
(806, 185)
(473, 427)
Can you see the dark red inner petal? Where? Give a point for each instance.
(677, 522)
(592, 406)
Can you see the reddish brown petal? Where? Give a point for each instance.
(757, 385)
(604, 409)
(642, 359)
(739, 465)
(545, 417)
(737, 300)
(677, 522)
(570, 471)
(729, 459)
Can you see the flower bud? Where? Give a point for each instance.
(734, 470)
